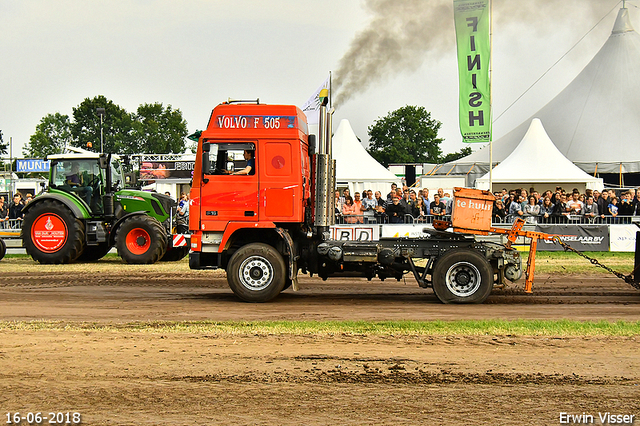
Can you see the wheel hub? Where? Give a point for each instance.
(256, 273)
(463, 279)
(141, 241)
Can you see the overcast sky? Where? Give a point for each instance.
(194, 54)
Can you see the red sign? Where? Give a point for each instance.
(49, 232)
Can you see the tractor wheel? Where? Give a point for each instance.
(3, 249)
(256, 273)
(141, 239)
(462, 276)
(175, 253)
(52, 234)
(93, 253)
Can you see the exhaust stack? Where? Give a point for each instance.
(324, 216)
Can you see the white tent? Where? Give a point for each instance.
(536, 162)
(355, 168)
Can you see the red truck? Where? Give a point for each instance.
(266, 225)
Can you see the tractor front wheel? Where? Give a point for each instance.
(141, 239)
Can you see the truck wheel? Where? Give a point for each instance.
(93, 253)
(52, 234)
(175, 253)
(462, 276)
(3, 249)
(141, 239)
(256, 273)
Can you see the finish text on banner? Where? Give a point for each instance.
(472, 21)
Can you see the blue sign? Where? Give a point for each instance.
(32, 165)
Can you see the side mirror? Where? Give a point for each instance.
(312, 144)
(206, 164)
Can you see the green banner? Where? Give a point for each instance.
(472, 19)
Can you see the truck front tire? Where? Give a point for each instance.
(256, 273)
(141, 239)
(52, 234)
(462, 276)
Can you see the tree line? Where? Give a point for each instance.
(406, 135)
(153, 129)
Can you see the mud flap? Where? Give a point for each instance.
(293, 265)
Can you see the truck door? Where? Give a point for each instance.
(230, 192)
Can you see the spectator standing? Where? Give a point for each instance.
(603, 202)
(575, 205)
(381, 205)
(4, 213)
(531, 210)
(422, 210)
(625, 208)
(391, 194)
(546, 210)
(369, 204)
(414, 209)
(498, 214)
(590, 210)
(15, 209)
(349, 210)
(357, 202)
(613, 209)
(438, 208)
(395, 211)
(515, 209)
(182, 222)
(561, 209)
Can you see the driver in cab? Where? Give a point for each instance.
(75, 181)
(250, 169)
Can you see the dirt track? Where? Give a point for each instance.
(153, 378)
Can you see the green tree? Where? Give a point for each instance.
(453, 156)
(4, 147)
(52, 134)
(117, 127)
(159, 130)
(406, 135)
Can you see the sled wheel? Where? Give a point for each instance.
(52, 234)
(141, 239)
(462, 276)
(256, 273)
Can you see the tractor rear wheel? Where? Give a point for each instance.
(462, 276)
(256, 273)
(52, 234)
(141, 239)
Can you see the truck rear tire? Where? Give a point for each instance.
(141, 239)
(3, 249)
(52, 234)
(462, 276)
(256, 273)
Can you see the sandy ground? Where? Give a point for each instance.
(126, 377)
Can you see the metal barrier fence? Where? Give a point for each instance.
(10, 224)
(552, 220)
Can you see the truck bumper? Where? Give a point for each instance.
(198, 260)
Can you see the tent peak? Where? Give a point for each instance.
(623, 24)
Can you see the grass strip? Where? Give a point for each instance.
(561, 328)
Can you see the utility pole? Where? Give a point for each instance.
(101, 112)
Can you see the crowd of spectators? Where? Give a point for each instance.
(400, 205)
(11, 213)
(567, 207)
(409, 205)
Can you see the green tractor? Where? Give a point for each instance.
(85, 212)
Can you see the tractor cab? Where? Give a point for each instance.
(86, 177)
